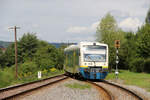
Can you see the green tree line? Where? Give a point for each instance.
(33, 55)
(134, 51)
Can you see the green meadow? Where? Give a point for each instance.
(132, 78)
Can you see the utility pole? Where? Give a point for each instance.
(15, 30)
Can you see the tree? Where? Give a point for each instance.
(1, 57)
(27, 47)
(143, 42)
(107, 32)
(147, 19)
(46, 57)
(9, 56)
(106, 28)
(129, 49)
(60, 57)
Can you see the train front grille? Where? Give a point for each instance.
(95, 69)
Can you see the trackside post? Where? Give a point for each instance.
(39, 74)
(117, 46)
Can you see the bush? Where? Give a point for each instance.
(6, 77)
(137, 65)
(46, 64)
(27, 68)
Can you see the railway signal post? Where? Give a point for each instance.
(15, 31)
(117, 46)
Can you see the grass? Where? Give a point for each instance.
(7, 77)
(131, 78)
(78, 86)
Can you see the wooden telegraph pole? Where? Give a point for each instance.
(15, 30)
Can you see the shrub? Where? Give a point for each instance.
(6, 77)
(27, 68)
(137, 65)
(46, 63)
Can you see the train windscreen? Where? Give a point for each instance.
(96, 47)
(99, 56)
(95, 57)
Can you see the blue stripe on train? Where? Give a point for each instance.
(92, 75)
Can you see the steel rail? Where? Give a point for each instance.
(30, 83)
(124, 89)
(108, 94)
(11, 87)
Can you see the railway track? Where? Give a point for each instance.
(118, 92)
(14, 91)
(105, 94)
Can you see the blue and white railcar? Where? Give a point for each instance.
(89, 59)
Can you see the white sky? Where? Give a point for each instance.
(67, 20)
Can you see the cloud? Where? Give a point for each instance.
(35, 25)
(48, 18)
(76, 29)
(119, 13)
(83, 29)
(130, 24)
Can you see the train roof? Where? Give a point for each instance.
(91, 43)
(74, 47)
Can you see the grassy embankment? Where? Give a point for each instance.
(7, 77)
(78, 86)
(131, 78)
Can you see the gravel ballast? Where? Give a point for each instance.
(140, 91)
(61, 92)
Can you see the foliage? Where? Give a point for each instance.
(1, 57)
(48, 57)
(6, 77)
(33, 55)
(31, 49)
(147, 65)
(108, 32)
(9, 56)
(147, 19)
(128, 52)
(27, 47)
(60, 57)
(143, 42)
(134, 51)
(27, 69)
(137, 65)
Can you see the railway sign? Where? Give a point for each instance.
(39, 74)
(117, 44)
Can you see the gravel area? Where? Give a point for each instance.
(118, 94)
(61, 92)
(140, 91)
(19, 89)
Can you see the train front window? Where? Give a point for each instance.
(94, 47)
(95, 57)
